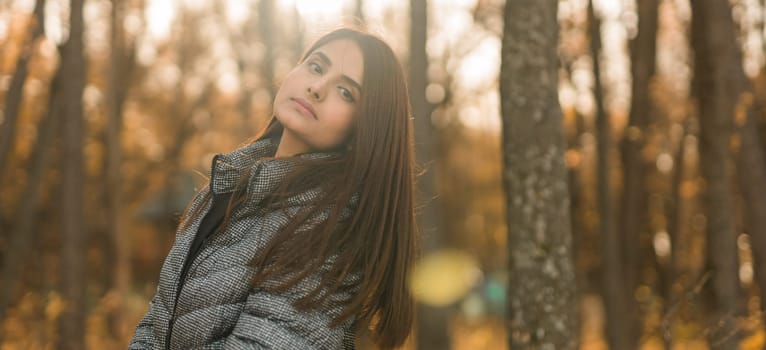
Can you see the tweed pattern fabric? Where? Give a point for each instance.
(216, 307)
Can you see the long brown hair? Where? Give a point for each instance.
(373, 175)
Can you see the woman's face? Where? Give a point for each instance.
(317, 99)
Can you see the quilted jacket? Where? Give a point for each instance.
(215, 306)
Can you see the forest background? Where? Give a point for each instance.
(113, 109)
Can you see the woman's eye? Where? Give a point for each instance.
(316, 68)
(347, 95)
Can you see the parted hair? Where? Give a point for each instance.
(372, 172)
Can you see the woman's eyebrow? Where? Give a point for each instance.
(326, 60)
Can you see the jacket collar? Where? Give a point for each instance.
(265, 172)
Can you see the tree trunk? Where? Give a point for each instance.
(121, 65)
(181, 114)
(716, 83)
(266, 32)
(432, 321)
(633, 205)
(242, 48)
(15, 94)
(751, 169)
(542, 304)
(248, 78)
(23, 234)
(73, 242)
(298, 37)
(669, 271)
(613, 283)
(359, 10)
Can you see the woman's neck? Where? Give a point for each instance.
(289, 146)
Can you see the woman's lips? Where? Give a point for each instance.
(305, 107)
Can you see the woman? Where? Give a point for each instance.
(306, 235)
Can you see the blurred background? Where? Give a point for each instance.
(91, 192)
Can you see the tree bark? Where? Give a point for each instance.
(542, 306)
(421, 111)
(716, 81)
(15, 94)
(613, 282)
(72, 321)
(633, 206)
(432, 321)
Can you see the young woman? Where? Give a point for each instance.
(304, 236)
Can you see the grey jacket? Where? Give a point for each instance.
(216, 307)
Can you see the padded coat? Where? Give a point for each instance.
(217, 308)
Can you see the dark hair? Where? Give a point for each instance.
(375, 172)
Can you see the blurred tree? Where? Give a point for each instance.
(716, 86)
(634, 197)
(267, 33)
(298, 37)
(578, 202)
(542, 312)
(359, 10)
(432, 329)
(751, 159)
(675, 233)
(751, 168)
(421, 110)
(586, 241)
(122, 61)
(23, 234)
(181, 109)
(73, 282)
(15, 93)
(256, 34)
(613, 282)
(243, 48)
(669, 269)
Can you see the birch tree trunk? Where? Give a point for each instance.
(542, 304)
(72, 321)
(716, 83)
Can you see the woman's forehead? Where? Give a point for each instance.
(343, 54)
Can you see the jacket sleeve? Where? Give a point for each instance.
(270, 321)
(143, 338)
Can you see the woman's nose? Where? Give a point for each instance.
(316, 89)
(313, 93)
